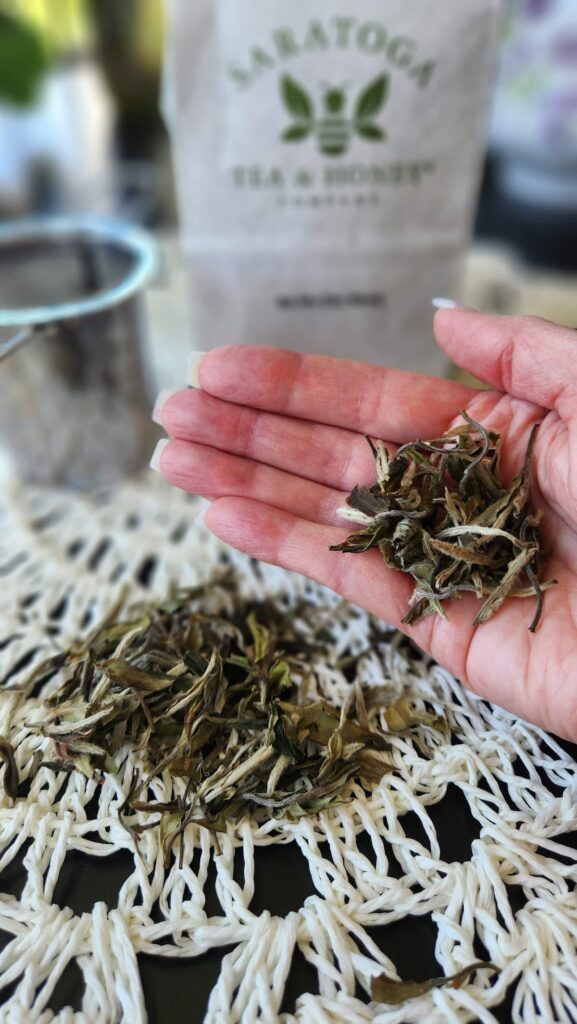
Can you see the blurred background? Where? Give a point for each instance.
(81, 133)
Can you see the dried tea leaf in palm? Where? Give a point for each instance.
(440, 512)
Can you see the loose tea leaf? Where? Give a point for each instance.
(402, 716)
(440, 512)
(224, 706)
(10, 768)
(387, 990)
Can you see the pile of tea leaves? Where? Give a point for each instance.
(221, 698)
(226, 704)
(440, 512)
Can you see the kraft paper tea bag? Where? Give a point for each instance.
(328, 156)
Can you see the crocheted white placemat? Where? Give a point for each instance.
(65, 562)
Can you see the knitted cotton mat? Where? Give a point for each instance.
(67, 561)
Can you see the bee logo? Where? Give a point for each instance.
(333, 129)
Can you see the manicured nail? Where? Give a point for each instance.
(192, 367)
(157, 454)
(161, 400)
(440, 303)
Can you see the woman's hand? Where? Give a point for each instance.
(276, 441)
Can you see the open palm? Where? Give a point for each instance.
(276, 441)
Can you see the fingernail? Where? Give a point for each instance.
(440, 303)
(192, 367)
(161, 400)
(157, 454)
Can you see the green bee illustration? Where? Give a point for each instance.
(333, 130)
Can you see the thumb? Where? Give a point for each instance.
(525, 357)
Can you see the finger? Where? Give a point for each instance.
(368, 399)
(328, 455)
(514, 420)
(522, 356)
(214, 474)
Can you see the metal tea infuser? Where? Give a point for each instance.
(74, 400)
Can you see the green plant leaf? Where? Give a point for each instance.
(371, 132)
(372, 99)
(296, 99)
(23, 61)
(296, 133)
